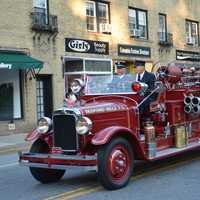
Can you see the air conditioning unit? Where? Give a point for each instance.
(105, 28)
(136, 33)
(190, 40)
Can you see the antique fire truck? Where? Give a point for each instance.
(100, 127)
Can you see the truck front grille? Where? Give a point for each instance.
(65, 135)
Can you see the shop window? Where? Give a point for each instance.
(10, 95)
(6, 101)
(98, 17)
(192, 33)
(138, 23)
(85, 68)
(74, 66)
(97, 66)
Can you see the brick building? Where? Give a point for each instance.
(39, 39)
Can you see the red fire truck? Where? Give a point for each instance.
(100, 126)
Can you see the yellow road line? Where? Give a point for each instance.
(82, 193)
(95, 188)
(72, 192)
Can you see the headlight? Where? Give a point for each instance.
(44, 125)
(77, 85)
(83, 125)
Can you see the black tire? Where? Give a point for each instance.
(115, 163)
(41, 174)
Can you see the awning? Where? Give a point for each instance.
(14, 60)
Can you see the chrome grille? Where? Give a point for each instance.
(65, 135)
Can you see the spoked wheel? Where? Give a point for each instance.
(41, 174)
(115, 163)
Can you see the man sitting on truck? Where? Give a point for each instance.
(122, 80)
(149, 78)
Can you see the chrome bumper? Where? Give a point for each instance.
(57, 161)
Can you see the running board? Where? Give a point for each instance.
(174, 151)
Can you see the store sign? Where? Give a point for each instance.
(86, 46)
(187, 55)
(5, 66)
(130, 50)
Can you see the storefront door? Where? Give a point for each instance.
(44, 96)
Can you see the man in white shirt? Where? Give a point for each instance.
(149, 78)
(142, 75)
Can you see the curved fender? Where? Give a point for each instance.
(34, 134)
(104, 136)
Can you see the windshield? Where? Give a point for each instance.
(108, 84)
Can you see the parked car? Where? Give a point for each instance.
(101, 128)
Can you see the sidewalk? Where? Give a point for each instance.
(13, 143)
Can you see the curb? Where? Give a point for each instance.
(14, 148)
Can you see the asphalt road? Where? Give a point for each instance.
(171, 179)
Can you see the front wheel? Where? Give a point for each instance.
(115, 163)
(41, 174)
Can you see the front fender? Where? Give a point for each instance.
(33, 135)
(104, 136)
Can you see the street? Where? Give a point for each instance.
(170, 179)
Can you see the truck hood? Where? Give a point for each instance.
(101, 104)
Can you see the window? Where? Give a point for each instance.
(162, 30)
(138, 23)
(91, 16)
(41, 8)
(40, 99)
(192, 33)
(85, 68)
(98, 66)
(75, 65)
(103, 16)
(98, 17)
(10, 95)
(42, 4)
(44, 98)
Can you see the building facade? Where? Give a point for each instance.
(80, 37)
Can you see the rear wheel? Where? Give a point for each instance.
(115, 163)
(41, 174)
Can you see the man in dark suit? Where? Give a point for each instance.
(149, 78)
